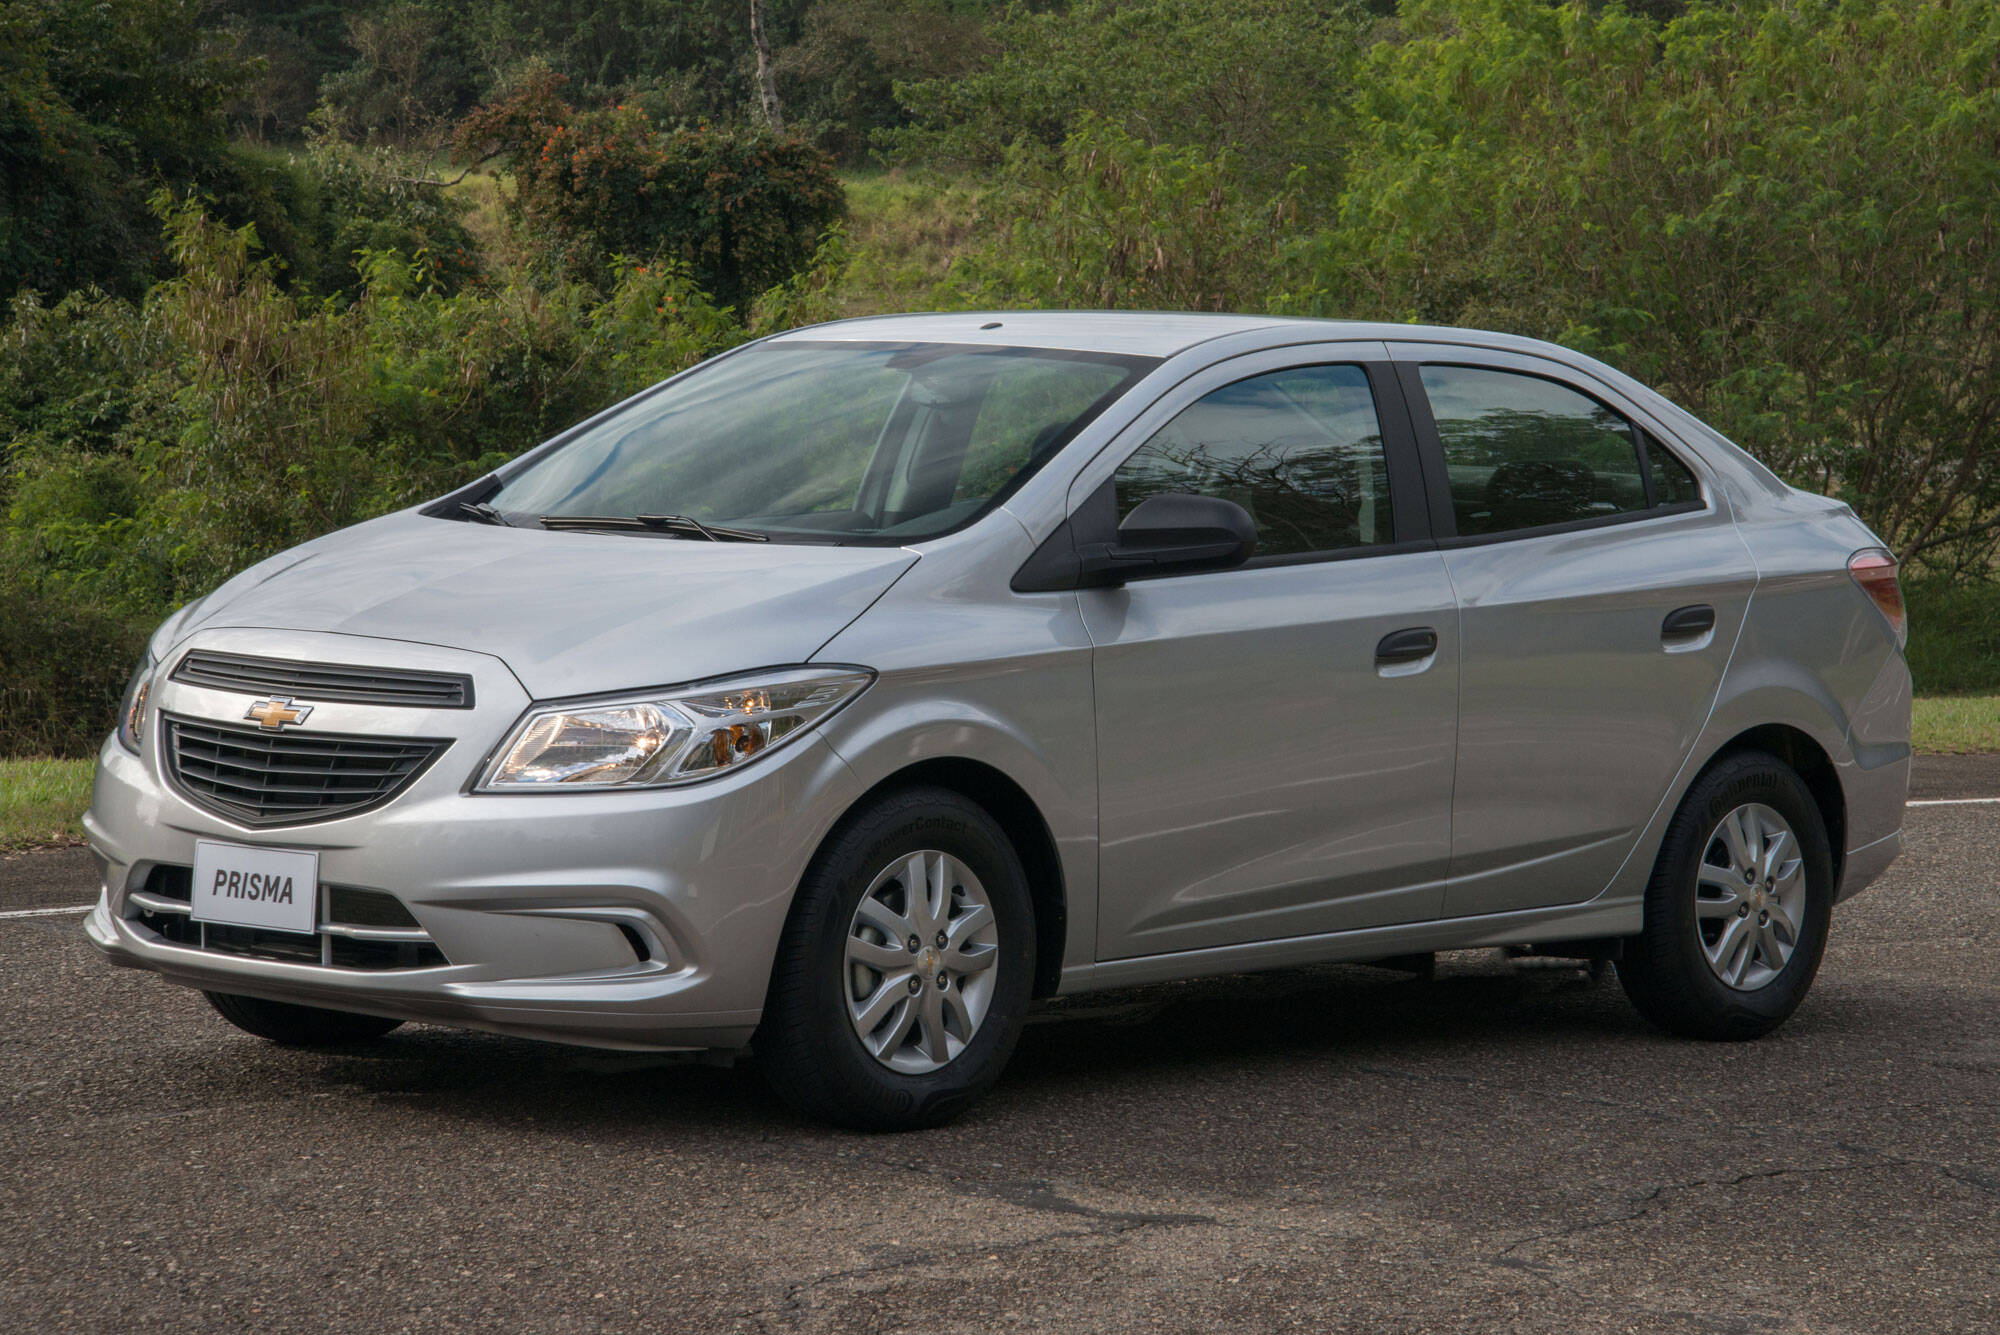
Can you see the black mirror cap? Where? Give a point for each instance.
(1180, 517)
(1178, 534)
(1174, 534)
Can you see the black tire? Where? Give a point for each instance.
(298, 1026)
(806, 1045)
(1665, 970)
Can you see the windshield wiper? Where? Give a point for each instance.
(485, 514)
(684, 525)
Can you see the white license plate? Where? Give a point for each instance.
(276, 888)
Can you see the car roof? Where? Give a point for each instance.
(1140, 333)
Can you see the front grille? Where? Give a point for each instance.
(325, 681)
(275, 778)
(359, 929)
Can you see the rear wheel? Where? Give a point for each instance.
(1739, 905)
(298, 1026)
(905, 970)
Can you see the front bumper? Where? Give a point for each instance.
(635, 920)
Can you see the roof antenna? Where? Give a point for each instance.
(994, 325)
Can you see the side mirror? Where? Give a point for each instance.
(1172, 535)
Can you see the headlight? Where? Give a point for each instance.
(658, 740)
(132, 710)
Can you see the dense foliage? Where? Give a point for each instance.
(157, 448)
(740, 209)
(245, 301)
(406, 69)
(1264, 81)
(1787, 218)
(97, 97)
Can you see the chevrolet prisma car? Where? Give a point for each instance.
(846, 694)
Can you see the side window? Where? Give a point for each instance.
(1300, 449)
(1522, 452)
(1672, 483)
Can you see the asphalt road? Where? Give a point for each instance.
(1506, 1147)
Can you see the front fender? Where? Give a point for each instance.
(970, 670)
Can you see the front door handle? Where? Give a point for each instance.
(1406, 646)
(1685, 621)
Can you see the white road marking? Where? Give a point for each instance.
(47, 913)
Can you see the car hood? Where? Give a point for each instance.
(569, 613)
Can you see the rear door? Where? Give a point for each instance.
(1600, 583)
(1273, 760)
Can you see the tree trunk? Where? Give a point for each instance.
(767, 82)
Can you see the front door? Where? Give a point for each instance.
(1275, 742)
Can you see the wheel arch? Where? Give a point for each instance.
(1015, 812)
(1806, 758)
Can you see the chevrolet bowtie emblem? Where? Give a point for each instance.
(275, 714)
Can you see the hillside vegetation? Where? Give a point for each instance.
(269, 269)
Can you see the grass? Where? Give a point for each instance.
(42, 801)
(1956, 724)
(484, 195)
(904, 234)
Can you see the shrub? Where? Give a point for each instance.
(1954, 636)
(63, 667)
(1264, 80)
(152, 450)
(742, 210)
(1122, 223)
(1786, 216)
(101, 100)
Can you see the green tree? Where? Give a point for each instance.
(409, 79)
(1785, 216)
(742, 210)
(839, 78)
(100, 101)
(1120, 223)
(1264, 80)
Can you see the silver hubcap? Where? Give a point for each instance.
(920, 955)
(1750, 897)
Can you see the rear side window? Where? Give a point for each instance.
(1524, 452)
(1300, 449)
(1672, 483)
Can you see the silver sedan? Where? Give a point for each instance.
(849, 692)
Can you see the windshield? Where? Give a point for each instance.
(824, 441)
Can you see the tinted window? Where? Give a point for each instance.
(1672, 483)
(1523, 452)
(1300, 449)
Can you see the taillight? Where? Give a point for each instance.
(1875, 571)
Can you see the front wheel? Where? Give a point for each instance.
(1739, 905)
(298, 1026)
(905, 970)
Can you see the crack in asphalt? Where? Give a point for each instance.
(1115, 1225)
(1035, 1194)
(1028, 1193)
(1475, 1082)
(1643, 1205)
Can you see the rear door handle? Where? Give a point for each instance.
(1406, 646)
(1685, 621)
